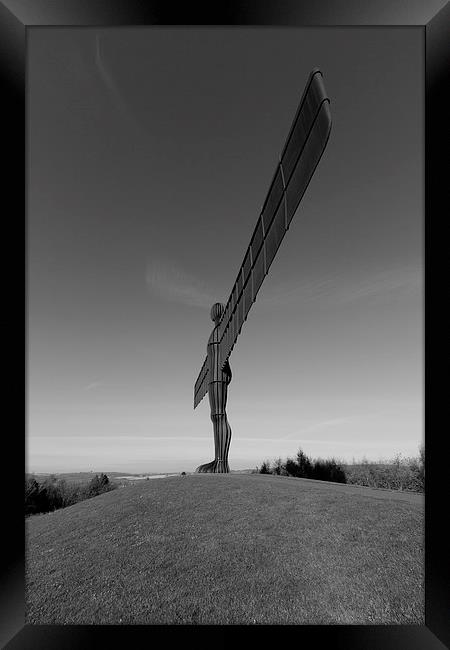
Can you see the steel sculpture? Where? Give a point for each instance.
(306, 141)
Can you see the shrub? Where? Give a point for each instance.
(265, 468)
(98, 485)
(36, 498)
(278, 468)
(71, 493)
(328, 470)
(305, 466)
(53, 494)
(292, 468)
(396, 474)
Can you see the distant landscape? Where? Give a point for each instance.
(84, 477)
(45, 492)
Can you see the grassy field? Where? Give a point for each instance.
(229, 549)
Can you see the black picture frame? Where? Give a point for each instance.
(16, 18)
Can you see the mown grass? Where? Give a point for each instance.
(229, 549)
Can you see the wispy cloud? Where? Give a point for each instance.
(93, 385)
(383, 283)
(170, 282)
(344, 289)
(110, 83)
(173, 283)
(320, 426)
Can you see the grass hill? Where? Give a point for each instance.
(229, 549)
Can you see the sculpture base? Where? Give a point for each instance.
(214, 467)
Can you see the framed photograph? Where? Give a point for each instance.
(166, 160)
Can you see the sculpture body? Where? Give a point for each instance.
(219, 378)
(302, 151)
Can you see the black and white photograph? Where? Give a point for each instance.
(159, 191)
(225, 256)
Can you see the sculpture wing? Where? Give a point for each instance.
(305, 143)
(304, 146)
(201, 384)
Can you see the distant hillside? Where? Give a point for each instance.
(80, 477)
(242, 471)
(229, 549)
(123, 478)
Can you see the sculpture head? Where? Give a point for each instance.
(216, 311)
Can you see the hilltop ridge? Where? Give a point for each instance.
(235, 548)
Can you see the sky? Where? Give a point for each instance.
(150, 153)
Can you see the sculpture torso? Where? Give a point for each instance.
(215, 372)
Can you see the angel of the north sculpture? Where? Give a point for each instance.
(302, 151)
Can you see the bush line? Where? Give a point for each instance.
(53, 493)
(397, 474)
